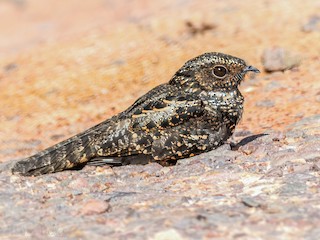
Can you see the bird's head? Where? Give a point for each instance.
(211, 71)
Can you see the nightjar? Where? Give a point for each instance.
(195, 112)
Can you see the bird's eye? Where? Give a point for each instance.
(220, 71)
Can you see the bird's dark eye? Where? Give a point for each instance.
(220, 71)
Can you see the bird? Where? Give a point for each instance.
(195, 112)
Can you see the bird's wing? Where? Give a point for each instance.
(133, 131)
(166, 112)
(153, 95)
(153, 120)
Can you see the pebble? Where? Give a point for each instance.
(250, 202)
(170, 234)
(279, 59)
(312, 25)
(265, 103)
(94, 206)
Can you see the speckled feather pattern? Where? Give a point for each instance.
(195, 112)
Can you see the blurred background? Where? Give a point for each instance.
(67, 65)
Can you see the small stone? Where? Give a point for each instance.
(298, 160)
(274, 172)
(265, 103)
(94, 206)
(279, 59)
(202, 28)
(250, 202)
(170, 234)
(10, 67)
(248, 149)
(301, 168)
(312, 25)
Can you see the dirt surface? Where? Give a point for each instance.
(66, 66)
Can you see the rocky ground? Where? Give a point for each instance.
(66, 66)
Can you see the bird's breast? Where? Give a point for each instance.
(228, 103)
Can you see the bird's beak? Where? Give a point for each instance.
(251, 69)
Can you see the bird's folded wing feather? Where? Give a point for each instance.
(166, 112)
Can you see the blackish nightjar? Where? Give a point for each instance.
(195, 112)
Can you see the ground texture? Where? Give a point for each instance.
(66, 66)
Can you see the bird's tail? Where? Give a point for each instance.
(65, 155)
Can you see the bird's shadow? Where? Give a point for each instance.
(246, 140)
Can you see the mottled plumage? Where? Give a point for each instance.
(195, 112)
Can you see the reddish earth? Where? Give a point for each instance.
(65, 66)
